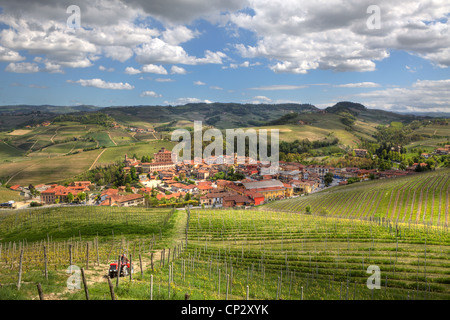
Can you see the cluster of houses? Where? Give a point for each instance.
(140, 130)
(166, 179)
(43, 124)
(439, 151)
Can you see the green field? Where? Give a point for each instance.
(421, 198)
(112, 155)
(7, 195)
(37, 170)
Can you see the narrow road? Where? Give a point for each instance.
(98, 157)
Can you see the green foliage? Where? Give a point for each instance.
(98, 118)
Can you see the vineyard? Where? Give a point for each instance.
(416, 199)
(221, 254)
(44, 243)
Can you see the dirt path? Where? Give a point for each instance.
(98, 157)
(56, 133)
(109, 135)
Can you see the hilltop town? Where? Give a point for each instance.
(162, 182)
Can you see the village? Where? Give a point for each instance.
(163, 182)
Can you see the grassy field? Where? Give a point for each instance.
(112, 155)
(276, 255)
(43, 170)
(421, 198)
(7, 195)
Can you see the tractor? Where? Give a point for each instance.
(125, 268)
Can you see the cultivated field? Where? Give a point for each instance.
(221, 254)
(422, 198)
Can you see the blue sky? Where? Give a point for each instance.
(175, 52)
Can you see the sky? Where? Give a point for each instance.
(390, 55)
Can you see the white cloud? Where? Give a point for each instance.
(164, 80)
(216, 88)
(199, 83)
(131, 70)
(358, 85)
(9, 55)
(158, 51)
(179, 34)
(152, 94)
(118, 53)
(182, 101)
(22, 67)
(279, 87)
(99, 83)
(177, 70)
(102, 68)
(261, 99)
(151, 68)
(301, 36)
(422, 96)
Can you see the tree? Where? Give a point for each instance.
(81, 196)
(70, 197)
(328, 179)
(308, 209)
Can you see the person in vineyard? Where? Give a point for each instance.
(124, 260)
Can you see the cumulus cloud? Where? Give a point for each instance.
(149, 68)
(178, 35)
(199, 83)
(177, 70)
(152, 94)
(22, 67)
(9, 55)
(302, 36)
(99, 83)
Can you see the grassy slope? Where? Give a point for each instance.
(422, 198)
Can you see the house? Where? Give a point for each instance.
(202, 174)
(176, 195)
(85, 184)
(270, 189)
(16, 188)
(236, 201)
(360, 153)
(165, 156)
(215, 199)
(60, 193)
(130, 200)
(303, 186)
(442, 151)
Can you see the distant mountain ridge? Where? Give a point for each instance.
(220, 115)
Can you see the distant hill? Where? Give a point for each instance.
(220, 115)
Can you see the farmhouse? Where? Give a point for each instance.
(361, 153)
(270, 189)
